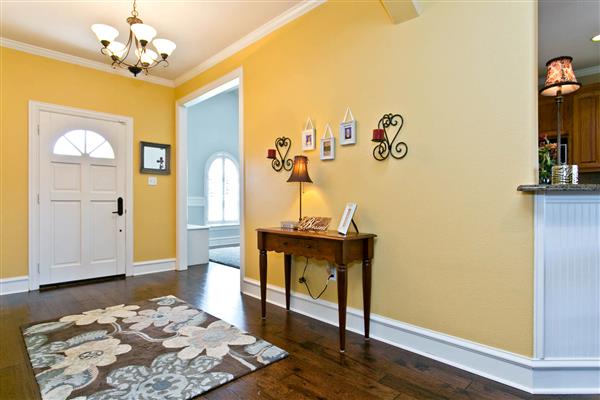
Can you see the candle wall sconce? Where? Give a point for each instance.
(385, 146)
(282, 162)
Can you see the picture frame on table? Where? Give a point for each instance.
(346, 219)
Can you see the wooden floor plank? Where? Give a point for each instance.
(314, 370)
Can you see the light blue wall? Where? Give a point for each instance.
(212, 128)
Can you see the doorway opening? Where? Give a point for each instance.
(210, 193)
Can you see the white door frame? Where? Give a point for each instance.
(35, 107)
(181, 138)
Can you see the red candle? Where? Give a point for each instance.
(378, 135)
(271, 154)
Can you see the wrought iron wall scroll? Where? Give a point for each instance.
(280, 161)
(386, 147)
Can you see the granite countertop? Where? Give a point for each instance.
(559, 188)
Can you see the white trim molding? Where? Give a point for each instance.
(82, 62)
(181, 133)
(524, 373)
(153, 266)
(593, 70)
(288, 16)
(18, 284)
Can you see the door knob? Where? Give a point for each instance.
(119, 206)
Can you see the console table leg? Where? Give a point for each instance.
(366, 278)
(287, 260)
(342, 284)
(263, 283)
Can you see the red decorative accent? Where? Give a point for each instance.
(271, 154)
(378, 135)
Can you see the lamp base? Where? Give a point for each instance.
(565, 174)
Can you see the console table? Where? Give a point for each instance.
(331, 246)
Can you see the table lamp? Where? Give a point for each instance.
(560, 80)
(300, 174)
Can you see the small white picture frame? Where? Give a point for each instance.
(328, 144)
(348, 133)
(346, 219)
(348, 129)
(308, 136)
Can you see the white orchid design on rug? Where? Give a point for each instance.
(163, 316)
(97, 353)
(102, 315)
(215, 339)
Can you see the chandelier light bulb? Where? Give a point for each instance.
(144, 33)
(117, 49)
(146, 56)
(105, 33)
(164, 47)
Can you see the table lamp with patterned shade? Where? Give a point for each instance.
(560, 80)
(300, 174)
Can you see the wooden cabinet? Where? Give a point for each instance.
(586, 129)
(581, 125)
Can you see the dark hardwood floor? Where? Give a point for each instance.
(314, 369)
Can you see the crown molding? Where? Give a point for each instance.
(300, 9)
(588, 71)
(83, 62)
(297, 11)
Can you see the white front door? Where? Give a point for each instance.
(82, 177)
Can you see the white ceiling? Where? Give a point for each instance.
(200, 28)
(565, 29)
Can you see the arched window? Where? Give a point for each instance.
(222, 189)
(79, 142)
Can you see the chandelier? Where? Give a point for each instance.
(140, 35)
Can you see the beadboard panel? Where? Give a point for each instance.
(571, 278)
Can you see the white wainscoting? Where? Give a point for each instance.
(152, 266)
(567, 229)
(533, 376)
(17, 284)
(224, 235)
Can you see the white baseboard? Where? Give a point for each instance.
(152, 266)
(17, 284)
(524, 373)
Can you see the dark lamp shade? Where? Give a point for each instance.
(559, 77)
(300, 171)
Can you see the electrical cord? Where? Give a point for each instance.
(303, 280)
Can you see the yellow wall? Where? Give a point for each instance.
(25, 77)
(454, 252)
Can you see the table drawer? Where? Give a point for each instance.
(292, 245)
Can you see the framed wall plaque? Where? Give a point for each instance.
(155, 158)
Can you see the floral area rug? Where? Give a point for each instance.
(161, 348)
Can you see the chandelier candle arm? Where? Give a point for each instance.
(140, 35)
